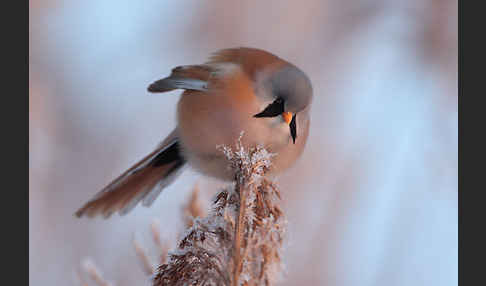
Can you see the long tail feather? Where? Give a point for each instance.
(143, 182)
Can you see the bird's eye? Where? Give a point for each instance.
(274, 109)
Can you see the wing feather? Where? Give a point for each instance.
(142, 182)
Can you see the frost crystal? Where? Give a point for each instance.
(239, 242)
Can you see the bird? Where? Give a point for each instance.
(236, 90)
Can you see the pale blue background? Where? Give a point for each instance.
(373, 200)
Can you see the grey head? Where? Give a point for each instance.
(293, 86)
(291, 91)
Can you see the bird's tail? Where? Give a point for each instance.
(142, 182)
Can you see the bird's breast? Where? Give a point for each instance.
(217, 117)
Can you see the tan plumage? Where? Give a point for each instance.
(236, 90)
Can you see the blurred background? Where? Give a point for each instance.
(372, 201)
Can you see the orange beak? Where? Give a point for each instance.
(287, 117)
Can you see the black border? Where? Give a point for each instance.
(15, 141)
(471, 121)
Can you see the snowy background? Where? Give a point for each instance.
(372, 201)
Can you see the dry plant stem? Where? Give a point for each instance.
(146, 264)
(81, 279)
(239, 242)
(154, 227)
(162, 247)
(94, 273)
(239, 238)
(193, 209)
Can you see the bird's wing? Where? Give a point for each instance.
(193, 77)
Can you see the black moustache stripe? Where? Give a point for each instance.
(273, 109)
